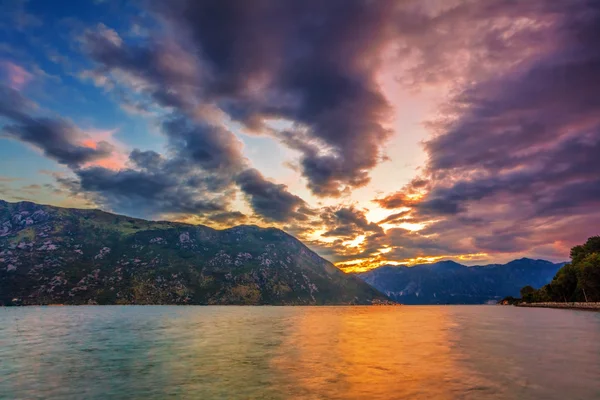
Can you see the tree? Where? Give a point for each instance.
(576, 281)
(528, 293)
(566, 283)
(589, 277)
(578, 253)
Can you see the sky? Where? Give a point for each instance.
(377, 132)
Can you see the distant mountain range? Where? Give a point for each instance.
(448, 282)
(51, 255)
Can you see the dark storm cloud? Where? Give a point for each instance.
(148, 159)
(148, 192)
(347, 222)
(210, 147)
(512, 163)
(197, 175)
(58, 139)
(312, 63)
(172, 78)
(185, 172)
(536, 133)
(195, 178)
(557, 181)
(271, 201)
(515, 156)
(140, 65)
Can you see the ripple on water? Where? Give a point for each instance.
(465, 352)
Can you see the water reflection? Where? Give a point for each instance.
(366, 352)
(299, 352)
(544, 354)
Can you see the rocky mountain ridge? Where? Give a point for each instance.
(448, 282)
(52, 255)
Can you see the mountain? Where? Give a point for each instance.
(51, 255)
(448, 282)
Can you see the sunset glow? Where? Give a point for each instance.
(472, 135)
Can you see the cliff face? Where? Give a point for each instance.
(51, 255)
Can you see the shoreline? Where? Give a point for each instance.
(200, 305)
(591, 306)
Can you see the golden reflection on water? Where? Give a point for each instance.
(460, 352)
(345, 355)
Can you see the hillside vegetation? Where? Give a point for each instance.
(577, 281)
(51, 255)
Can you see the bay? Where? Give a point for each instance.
(228, 352)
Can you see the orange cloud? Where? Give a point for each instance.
(116, 160)
(89, 143)
(366, 264)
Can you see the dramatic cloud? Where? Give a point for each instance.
(396, 217)
(229, 218)
(507, 90)
(196, 178)
(347, 222)
(156, 187)
(518, 153)
(159, 69)
(271, 201)
(407, 244)
(212, 148)
(396, 200)
(58, 139)
(311, 63)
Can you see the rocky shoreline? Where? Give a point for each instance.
(572, 306)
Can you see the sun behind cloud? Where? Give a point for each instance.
(379, 133)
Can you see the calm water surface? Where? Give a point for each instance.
(410, 352)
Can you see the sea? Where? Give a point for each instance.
(351, 352)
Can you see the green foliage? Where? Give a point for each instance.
(27, 234)
(527, 293)
(576, 281)
(51, 255)
(578, 253)
(589, 277)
